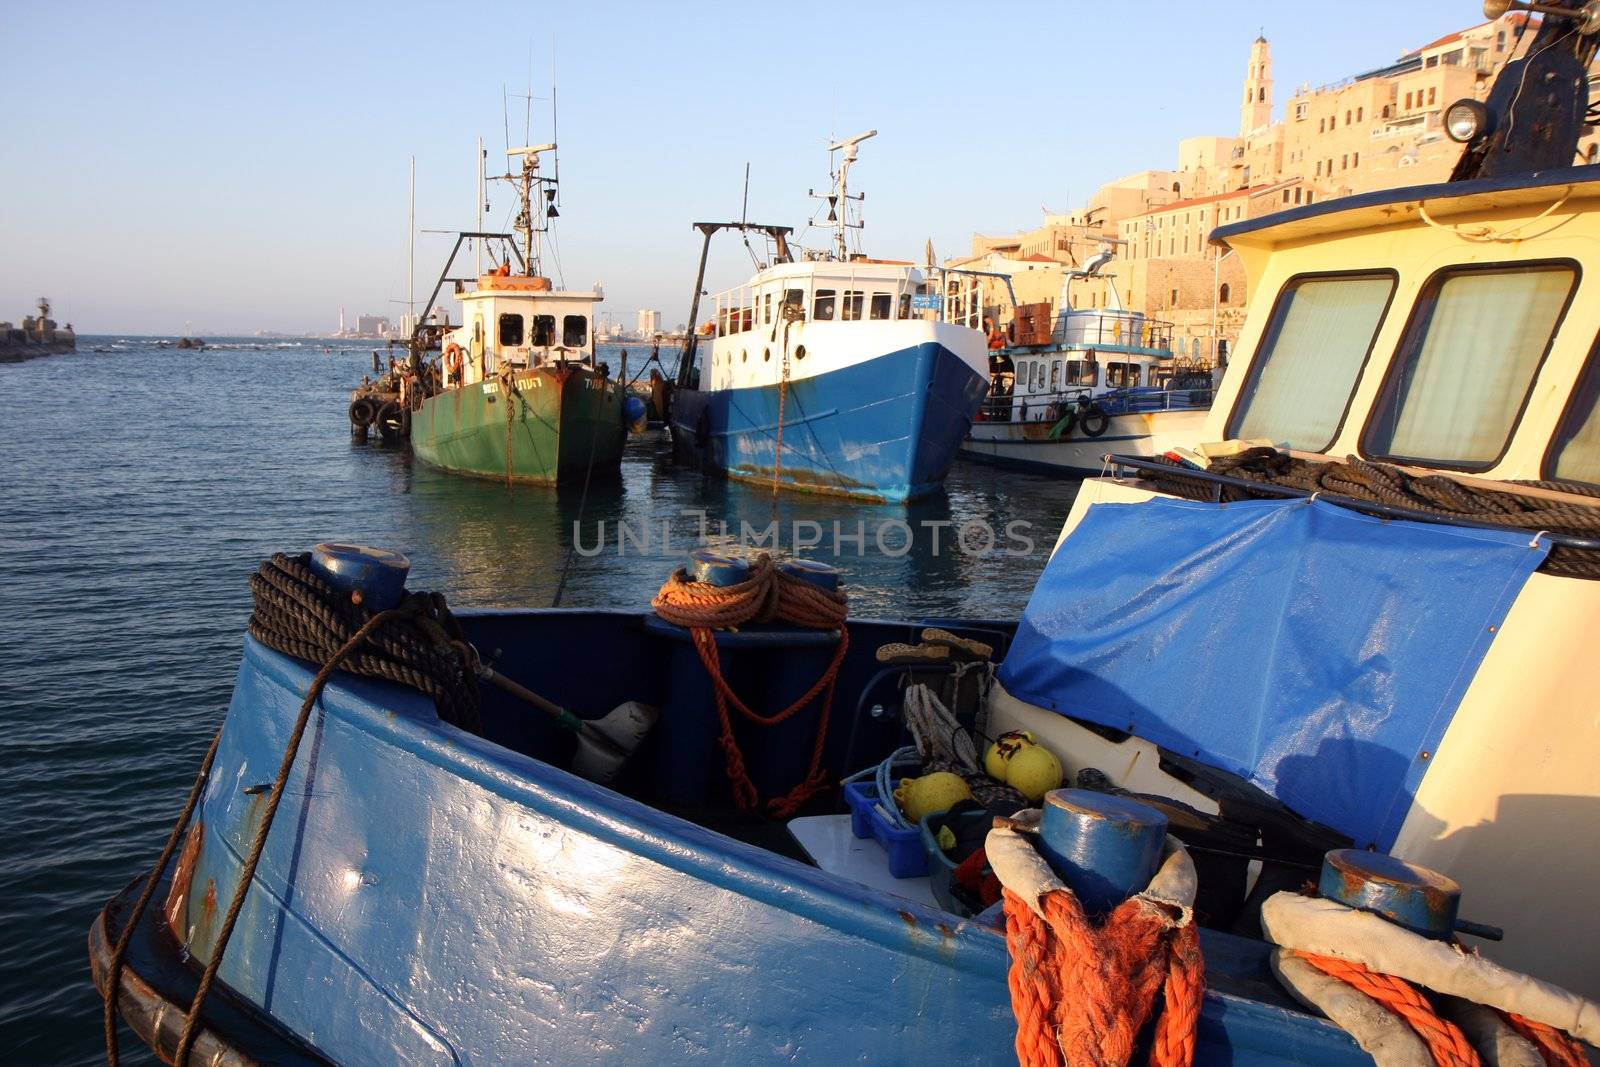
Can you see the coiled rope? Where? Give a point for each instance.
(1446, 1043)
(1081, 994)
(766, 595)
(418, 644)
(1436, 494)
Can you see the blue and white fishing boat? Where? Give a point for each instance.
(832, 372)
(1274, 657)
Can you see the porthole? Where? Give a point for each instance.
(744, 357)
(799, 351)
(766, 355)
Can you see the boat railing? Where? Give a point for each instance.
(1052, 407)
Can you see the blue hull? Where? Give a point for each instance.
(429, 897)
(886, 429)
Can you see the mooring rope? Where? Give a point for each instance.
(767, 594)
(418, 644)
(1437, 494)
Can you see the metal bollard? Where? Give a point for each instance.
(1416, 898)
(374, 577)
(1106, 848)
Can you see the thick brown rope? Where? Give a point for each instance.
(191, 1022)
(131, 923)
(1437, 494)
(766, 595)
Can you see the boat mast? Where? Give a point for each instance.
(839, 211)
(538, 195)
(411, 249)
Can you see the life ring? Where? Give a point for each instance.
(452, 359)
(1093, 420)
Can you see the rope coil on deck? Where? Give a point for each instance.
(768, 594)
(1360, 479)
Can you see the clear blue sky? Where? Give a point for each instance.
(243, 166)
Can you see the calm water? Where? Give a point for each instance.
(142, 486)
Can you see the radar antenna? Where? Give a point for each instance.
(839, 199)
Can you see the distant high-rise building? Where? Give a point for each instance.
(649, 323)
(341, 318)
(372, 325)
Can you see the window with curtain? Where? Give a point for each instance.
(1456, 386)
(1575, 452)
(1309, 358)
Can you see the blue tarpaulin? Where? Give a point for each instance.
(1316, 651)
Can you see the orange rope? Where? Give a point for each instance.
(1446, 1043)
(1557, 1049)
(1080, 994)
(767, 594)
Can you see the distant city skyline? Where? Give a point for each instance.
(235, 170)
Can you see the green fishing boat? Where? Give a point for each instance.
(517, 391)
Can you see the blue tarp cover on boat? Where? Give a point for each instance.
(1314, 650)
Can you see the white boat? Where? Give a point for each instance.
(1106, 381)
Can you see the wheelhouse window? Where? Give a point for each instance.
(882, 303)
(1463, 372)
(1038, 376)
(510, 331)
(575, 331)
(1575, 452)
(1055, 375)
(795, 298)
(1310, 356)
(544, 331)
(905, 305)
(851, 308)
(822, 305)
(766, 308)
(1082, 372)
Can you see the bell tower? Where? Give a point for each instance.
(1256, 112)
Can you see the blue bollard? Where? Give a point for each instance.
(1106, 848)
(373, 577)
(810, 571)
(1416, 898)
(717, 568)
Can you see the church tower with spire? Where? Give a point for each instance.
(1257, 110)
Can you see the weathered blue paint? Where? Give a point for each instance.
(1423, 901)
(717, 568)
(885, 429)
(813, 572)
(430, 897)
(376, 575)
(1105, 847)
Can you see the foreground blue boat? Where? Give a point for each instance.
(427, 896)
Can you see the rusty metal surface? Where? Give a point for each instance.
(156, 987)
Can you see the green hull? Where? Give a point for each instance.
(563, 423)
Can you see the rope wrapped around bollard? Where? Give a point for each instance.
(768, 594)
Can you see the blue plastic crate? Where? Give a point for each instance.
(907, 857)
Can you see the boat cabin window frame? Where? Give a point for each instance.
(904, 308)
(575, 336)
(1582, 406)
(512, 337)
(881, 306)
(794, 297)
(1414, 337)
(1078, 369)
(823, 303)
(1056, 379)
(1261, 354)
(544, 331)
(852, 306)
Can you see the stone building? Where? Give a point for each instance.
(1376, 130)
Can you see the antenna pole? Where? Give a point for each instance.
(479, 241)
(844, 203)
(744, 212)
(411, 249)
(529, 230)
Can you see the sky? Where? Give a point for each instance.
(227, 168)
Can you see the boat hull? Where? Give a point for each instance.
(564, 424)
(1029, 446)
(430, 897)
(885, 428)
